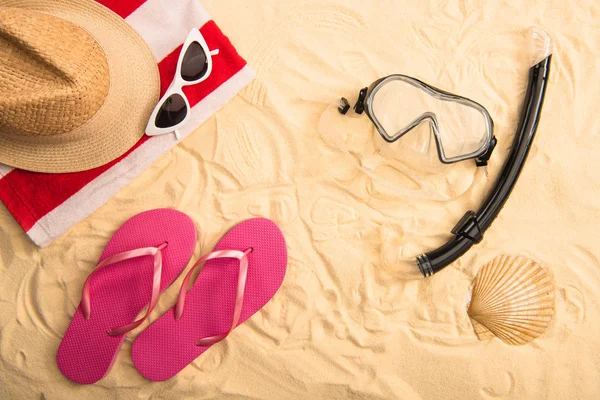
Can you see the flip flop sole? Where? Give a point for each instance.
(120, 291)
(168, 345)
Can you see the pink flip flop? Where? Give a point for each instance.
(240, 276)
(144, 256)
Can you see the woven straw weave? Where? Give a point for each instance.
(48, 89)
(78, 85)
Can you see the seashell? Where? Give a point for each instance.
(512, 299)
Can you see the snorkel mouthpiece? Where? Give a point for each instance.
(471, 227)
(424, 265)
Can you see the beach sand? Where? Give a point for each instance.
(343, 325)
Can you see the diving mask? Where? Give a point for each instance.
(396, 104)
(425, 118)
(462, 130)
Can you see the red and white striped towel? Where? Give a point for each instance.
(47, 205)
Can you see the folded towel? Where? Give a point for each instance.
(47, 205)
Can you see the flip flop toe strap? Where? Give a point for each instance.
(127, 255)
(239, 297)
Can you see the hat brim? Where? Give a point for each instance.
(121, 120)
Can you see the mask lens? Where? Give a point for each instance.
(460, 124)
(462, 129)
(172, 112)
(194, 63)
(399, 107)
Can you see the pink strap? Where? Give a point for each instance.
(239, 298)
(127, 255)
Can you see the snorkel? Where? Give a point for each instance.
(421, 108)
(471, 227)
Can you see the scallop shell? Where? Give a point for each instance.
(512, 299)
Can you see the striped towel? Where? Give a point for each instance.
(47, 205)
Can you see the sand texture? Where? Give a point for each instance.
(342, 326)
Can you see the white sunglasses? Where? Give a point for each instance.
(194, 66)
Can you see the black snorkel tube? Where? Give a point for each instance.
(471, 227)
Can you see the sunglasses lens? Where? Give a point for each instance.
(194, 63)
(172, 112)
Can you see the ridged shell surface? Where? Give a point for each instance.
(512, 299)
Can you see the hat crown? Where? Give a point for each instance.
(54, 75)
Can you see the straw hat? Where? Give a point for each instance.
(77, 85)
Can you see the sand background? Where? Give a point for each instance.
(341, 327)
